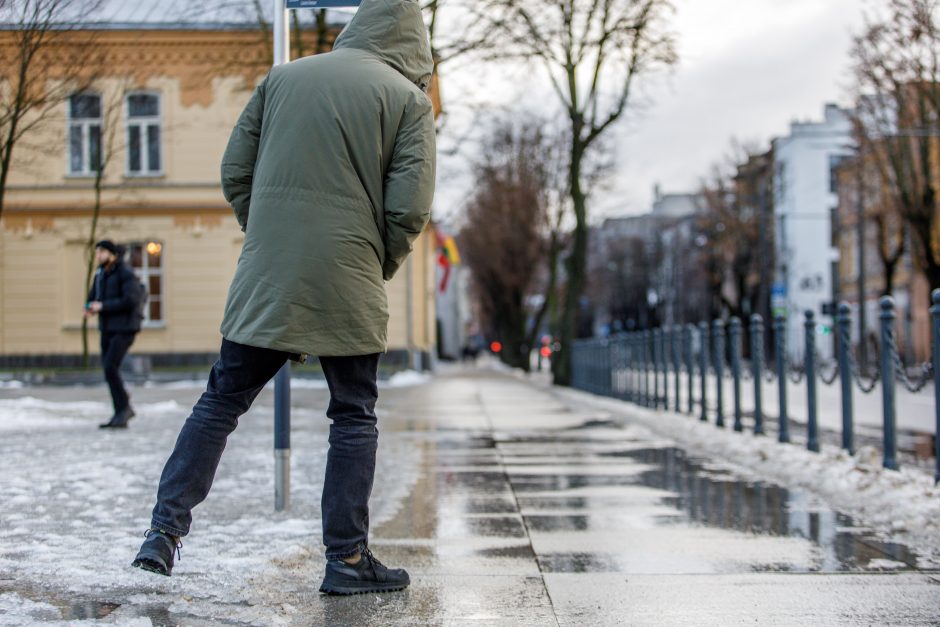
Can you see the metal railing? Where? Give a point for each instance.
(637, 367)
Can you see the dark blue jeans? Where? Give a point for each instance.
(236, 379)
(114, 347)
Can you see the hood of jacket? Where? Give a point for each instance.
(394, 31)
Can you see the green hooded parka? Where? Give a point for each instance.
(330, 172)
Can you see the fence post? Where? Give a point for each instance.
(736, 370)
(887, 382)
(608, 366)
(935, 314)
(654, 349)
(703, 364)
(689, 366)
(664, 362)
(633, 380)
(644, 368)
(812, 430)
(780, 344)
(844, 323)
(757, 368)
(718, 331)
(676, 362)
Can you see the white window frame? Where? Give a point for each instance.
(143, 273)
(85, 124)
(143, 122)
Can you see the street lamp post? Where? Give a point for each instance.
(860, 236)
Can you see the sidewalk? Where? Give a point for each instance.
(508, 502)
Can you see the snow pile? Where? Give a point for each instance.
(12, 384)
(406, 378)
(903, 505)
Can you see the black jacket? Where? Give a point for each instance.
(119, 291)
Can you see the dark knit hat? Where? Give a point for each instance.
(108, 245)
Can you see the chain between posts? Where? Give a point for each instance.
(865, 387)
(901, 371)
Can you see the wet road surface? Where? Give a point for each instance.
(508, 508)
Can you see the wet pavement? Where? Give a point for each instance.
(506, 505)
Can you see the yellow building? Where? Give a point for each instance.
(159, 115)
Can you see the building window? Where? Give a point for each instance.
(84, 134)
(144, 156)
(834, 162)
(146, 258)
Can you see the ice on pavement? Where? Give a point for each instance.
(76, 501)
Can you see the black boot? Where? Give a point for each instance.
(119, 420)
(366, 575)
(157, 552)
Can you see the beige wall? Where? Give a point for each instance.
(47, 218)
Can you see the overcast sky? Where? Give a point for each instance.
(747, 69)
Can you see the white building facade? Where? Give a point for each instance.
(804, 201)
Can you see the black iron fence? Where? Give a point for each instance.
(661, 368)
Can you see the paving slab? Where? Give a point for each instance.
(507, 504)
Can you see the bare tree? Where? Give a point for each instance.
(112, 143)
(45, 56)
(735, 244)
(897, 74)
(511, 238)
(593, 52)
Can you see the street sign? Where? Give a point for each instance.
(321, 4)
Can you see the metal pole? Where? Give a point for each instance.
(689, 365)
(676, 362)
(718, 331)
(757, 367)
(282, 438)
(780, 337)
(282, 378)
(703, 365)
(935, 314)
(812, 428)
(281, 33)
(860, 236)
(664, 362)
(654, 350)
(736, 371)
(843, 325)
(887, 381)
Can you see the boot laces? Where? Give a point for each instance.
(367, 553)
(178, 543)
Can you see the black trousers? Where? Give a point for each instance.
(114, 347)
(234, 383)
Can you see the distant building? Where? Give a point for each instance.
(171, 95)
(805, 200)
(637, 266)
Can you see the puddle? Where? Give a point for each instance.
(716, 499)
(697, 492)
(88, 610)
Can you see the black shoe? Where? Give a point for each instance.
(366, 575)
(119, 420)
(156, 553)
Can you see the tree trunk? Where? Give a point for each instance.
(575, 264)
(89, 271)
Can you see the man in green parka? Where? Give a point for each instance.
(330, 172)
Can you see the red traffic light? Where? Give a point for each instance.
(546, 351)
(496, 347)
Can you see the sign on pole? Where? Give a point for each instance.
(321, 4)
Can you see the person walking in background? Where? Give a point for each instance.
(330, 172)
(115, 298)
